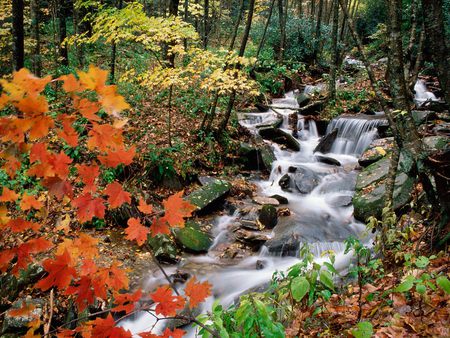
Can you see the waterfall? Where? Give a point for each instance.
(354, 133)
(422, 93)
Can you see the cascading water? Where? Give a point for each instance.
(318, 217)
(422, 93)
(354, 133)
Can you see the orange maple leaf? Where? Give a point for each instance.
(112, 102)
(25, 309)
(71, 84)
(19, 225)
(88, 109)
(29, 201)
(8, 195)
(107, 328)
(144, 207)
(94, 79)
(58, 187)
(136, 231)
(120, 156)
(168, 333)
(84, 291)
(167, 303)
(116, 195)
(104, 137)
(60, 272)
(68, 133)
(88, 174)
(197, 292)
(126, 301)
(176, 209)
(24, 251)
(89, 207)
(159, 226)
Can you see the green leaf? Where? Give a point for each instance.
(421, 288)
(406, 285)
(443, 283)
(299, 288)
(363, 330)
(326, 279)
(326, 294)
(422, 262)
(331, 268)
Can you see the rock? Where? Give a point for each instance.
(193, 239)
(326, 142)
(281, 137)
(19, 324)
(373, 173)
(437, 143)
(339, 184)
(265, 200)
(303, 100)
(313, 108)
(163, 248)
(328, 160)
(292, 169)
(340, 201)
(205, 180)
(254, 238)
(259, 264)
(376, 151)
(262, 107)
(423, 116)
(322, 126)
(371, 202)
(268, 216)
(208, 194)
(280, 199)
(285, 182)
(305, 180)
(9, 290)
(442, 128)
(436, 106)
(384, 131)
(267, 156)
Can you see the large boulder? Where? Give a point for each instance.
(376, 151)
(207, 195)
(18, 325)
(305, 180)
(193, 239)
(281, 137)
(268, 216)
(423, 116)
(326, 142)
(369, 197)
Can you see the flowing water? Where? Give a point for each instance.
(422, 93)
(317, 217)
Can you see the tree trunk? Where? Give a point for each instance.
(78, 47)
(261, 43)
(434, 28)
(18, 34)
(35, 12)
(318, 44)
(62, 13)
(206, 25)
(112, 73)
(335, 51)
(248, 25)
(282, 24)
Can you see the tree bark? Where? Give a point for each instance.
(206, 25)
(62, 13)
(36, 18)
(282, 24)
(244, 41)
(18, 34)
(318, 44)
(335, 51)
(263, 38)
(434, 27)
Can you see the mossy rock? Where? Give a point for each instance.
(209, 193)
(164, 248)
(193, 239)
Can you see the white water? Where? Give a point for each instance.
(314, 216)
(422, 93)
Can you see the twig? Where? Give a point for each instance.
(47, 326)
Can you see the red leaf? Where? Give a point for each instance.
(88, 109)
(29, 201)
(167, 303)
(8, 195)
(69, 134)
(19, 225)
(104, 137)
(71, 84)
(88, 174)
(197, 292)
(60, 272)
(144, 207)
(176, 209)
(89, 207)
(6, 256)
(116, 195)
(126, 301)
(83, 290)
(113, 158)
(136, 231)
(159, 226)
(107, 328)
(58, 187)
(25, 250)
(176, 333)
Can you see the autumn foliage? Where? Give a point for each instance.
(35, 137)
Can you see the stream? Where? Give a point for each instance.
(321, 216)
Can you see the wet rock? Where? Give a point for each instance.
(292, 169)
(163, 248)
(260, 265)
(305, 180)
(265, 200)
(423, 116)
(322, 126)
(339, 183)
(280, 199)
(268, 216)
(209, 194)
(442, 128)
(285, 182)
(281, 137)
(9, 290)
(326, 142)
(253, 238)
(340, 201)
(328, 160)
(193, 239)
(19, 324)
(267, 156)
(313, 108)
(376, 151)
(303, 100)
(437, 143)
(262, 107)
(384, 131)
(436, 106)
(205, 180)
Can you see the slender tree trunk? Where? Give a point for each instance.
(62, 13)
(185, 18)
(112, 73)
(434, 28)
(409, 58)
(206, 25)
(78, 47)
(18, 34)
(261, 43)
(335, 51)
(300, 8)
(318, 43)
(282, 24)
(419, 58)
(248, 25)
(35, 11)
